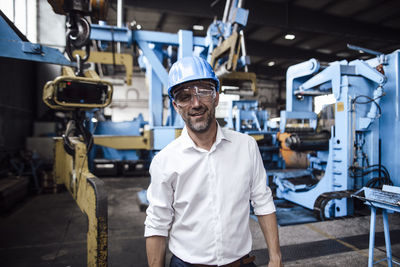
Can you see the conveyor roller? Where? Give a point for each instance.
(308, 141)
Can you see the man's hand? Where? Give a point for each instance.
(155, 248)
(269, 227)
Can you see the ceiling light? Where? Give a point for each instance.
(198, 27)
(290, 36)
(138, 26)
(343, 54)
(271, 63)
(360, 51)
(324, 51)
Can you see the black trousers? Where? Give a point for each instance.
(177, 262)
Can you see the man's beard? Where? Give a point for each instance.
(200, 126)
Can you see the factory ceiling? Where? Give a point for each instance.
(321, 28)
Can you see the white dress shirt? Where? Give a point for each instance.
(201, 198)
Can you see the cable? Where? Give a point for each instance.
(354, 101)
(375, 182)
(382, 166)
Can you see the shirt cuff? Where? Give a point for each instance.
(148, 231)
(265, 209)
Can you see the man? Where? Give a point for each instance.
(202, 182)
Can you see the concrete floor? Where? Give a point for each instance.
(50, 230)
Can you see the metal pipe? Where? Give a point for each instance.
(366, 50)
(120, 17)
(243, 45)
(372, 237)
(397, 86)
(380, 158)
(235, 25)
(224, 20)
(226, 11)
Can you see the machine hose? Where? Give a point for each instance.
(376, 182)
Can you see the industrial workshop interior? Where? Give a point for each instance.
(85, 108)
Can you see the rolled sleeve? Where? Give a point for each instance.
(160, 197)
(260, 194)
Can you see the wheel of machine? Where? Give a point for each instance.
(80, 34)
(323, 199)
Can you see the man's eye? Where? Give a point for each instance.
(184, 98)
(205, 91)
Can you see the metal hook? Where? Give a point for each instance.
(79, 65)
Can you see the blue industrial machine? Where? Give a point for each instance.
(120, 128)
(244, 116)
(109, 161)
(360, 149)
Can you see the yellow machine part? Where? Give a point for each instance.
(293, 159)
(89, 193)
(178, 133)
(233, 76)
(126, 142)
(230, 46)
(258, 137)
(111, 58)
(50, 90)
(72, 171)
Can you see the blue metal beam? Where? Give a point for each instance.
(156, 65)
(32, 52)
(125, 35)
(110, 33)
(12, 46)
(185, 43)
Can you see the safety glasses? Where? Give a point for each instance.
(184, 96)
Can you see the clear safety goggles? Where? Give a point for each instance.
(184, 96)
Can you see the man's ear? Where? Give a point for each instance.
(216, 100)
(175, 106)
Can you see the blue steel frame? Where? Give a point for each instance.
(385, 210)
(13, 46)
(347, 80)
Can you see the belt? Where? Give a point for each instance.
(242, 261)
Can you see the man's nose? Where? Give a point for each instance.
(195, 100)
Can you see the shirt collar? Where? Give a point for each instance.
(187, 141)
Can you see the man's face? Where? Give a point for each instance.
(196, 102)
